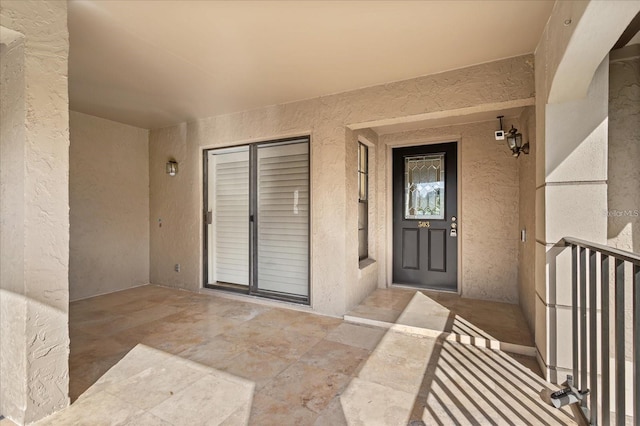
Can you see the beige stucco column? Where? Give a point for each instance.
(572, 76)
(34, 209)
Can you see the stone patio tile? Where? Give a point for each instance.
(257, 366)
(356, 335)
(208, 401)
(306, 386)
(334, 356)
(365, 403)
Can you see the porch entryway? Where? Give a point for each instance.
(425, 216)
(155, 355)
(480, 323)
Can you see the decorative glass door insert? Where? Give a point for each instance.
(424, 187)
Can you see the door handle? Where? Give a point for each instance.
(454, 227)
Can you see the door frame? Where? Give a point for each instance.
(389, 206)
(252, 289)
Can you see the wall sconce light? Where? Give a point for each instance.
(514, 139)
(172, 168)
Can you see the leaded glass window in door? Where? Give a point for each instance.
(424, 187)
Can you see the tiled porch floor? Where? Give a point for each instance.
(445, 312)
(159, 356)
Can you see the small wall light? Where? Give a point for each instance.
(514, 140)
(172, 168)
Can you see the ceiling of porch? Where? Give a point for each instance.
(157, 63)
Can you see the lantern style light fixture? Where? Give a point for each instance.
(172, 168)
(514, 139)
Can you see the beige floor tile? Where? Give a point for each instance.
(88, 369)
(334, 356)
(314, 325)
(395, 372)
(135, 361)
(257, 366)
(155, 384)
(333, 415)
(306, 386)
(100, 409)
(356, 335)
(147, 419)
(281, 318)
(267, 411)
(264, 365)
(406, 346)
(284, 344)
(442, 311)
(246, 333)
(243, 311)
(376, 313)
(208, 401)
(370, 404)
(215, 353)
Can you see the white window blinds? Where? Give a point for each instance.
(283, 218)
(231, 216)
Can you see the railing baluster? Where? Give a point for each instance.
(583, 322)
(593, 339)
(636, 342)
(585, 345)
(574, 311)
(619, 342)
(604, 334)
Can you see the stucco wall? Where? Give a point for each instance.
(488, 212)
(178, 202)
(363, 280)
(527, 219)
(109, 206)
(13, 306)
(39, 282)
(623, 196)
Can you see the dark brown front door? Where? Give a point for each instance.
(425, 216)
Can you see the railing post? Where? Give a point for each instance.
(604, 333)
(574, 311)
(619, 342)
(593, 339)
(583, 322)
(636, 342)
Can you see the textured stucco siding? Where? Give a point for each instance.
(41, 387)
(527, 219)
(623, 196)
(109, 200)
(488, 209)
(361, 281)
(178, 202)
(13, 306)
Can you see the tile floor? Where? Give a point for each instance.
(448, 312)
(158, 356)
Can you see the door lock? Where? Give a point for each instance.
(454, 227)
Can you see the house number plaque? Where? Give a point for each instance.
(422, 224)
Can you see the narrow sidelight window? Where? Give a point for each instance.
(363, 201)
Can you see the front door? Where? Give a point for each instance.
(425, 216)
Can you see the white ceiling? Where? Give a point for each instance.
(156, 63)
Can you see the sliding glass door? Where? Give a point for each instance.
(228, 214)
(257, 219)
